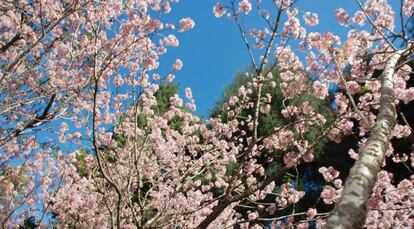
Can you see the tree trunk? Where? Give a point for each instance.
(350, 211)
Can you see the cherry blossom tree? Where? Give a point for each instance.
(72, 70)
(336, 58)
(63, 64)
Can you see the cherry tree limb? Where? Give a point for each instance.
(350, 211)
(44, 117)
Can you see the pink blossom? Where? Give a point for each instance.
(359, 18)
(401, 131)
(186, 24)
(329, 174)
(74, 136)
(245, 6)
(353, 154)
(308, 157)
(337, 183)
(293, 29)
(281, 202)
(408, 7)
(311, 19)
(170, 77)
(63, 127)
(290, 159)
(156, 76)
(342, 17)
(409, 95)
(179, 166)
(242, 91)
(307, 108)
(252, 216)
(188, 93)
(320, 90)
(218, 10)
(329, 195)
(166, 6)
(341, 102)
(289, 111)
(313, 40)
(171, 40)
(295, 197)
(250, 181)
(320, 223)
(373, 85)
(400, 159)
(178, 65)
(353, 87)
(264, 13)
(282, 139)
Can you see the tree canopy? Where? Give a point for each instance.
(93, 133)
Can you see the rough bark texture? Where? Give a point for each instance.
(350, 211)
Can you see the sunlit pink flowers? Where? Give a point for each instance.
(342, 17)
(118, 158)
(245, 6)
(219, 10)
(171, 40)
(188, 93)
(408, 7)
(178, 65)
(186, 24)
(320, 89)
(311, 19)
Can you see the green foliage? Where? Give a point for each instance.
(163, 95)
(81, 163)
(149, 214)
(232, 89)
(19, 181)
(272, 169)
(274, 119)
(120, 139)
(268, 122)
(362, 90)
(230, 168)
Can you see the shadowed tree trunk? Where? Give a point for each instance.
(350, 211)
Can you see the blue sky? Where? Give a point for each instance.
(213, 51)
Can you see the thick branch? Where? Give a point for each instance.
(350, 211)
(16, 38)
(45, 116)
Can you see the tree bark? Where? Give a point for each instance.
(350, 211)
(6, 46)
